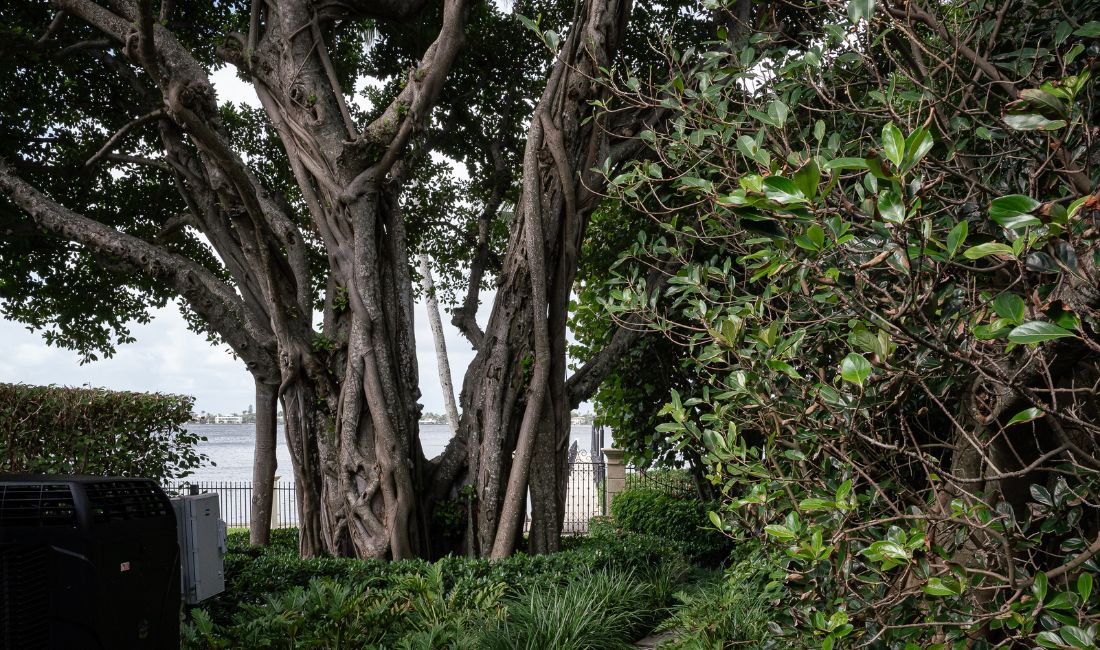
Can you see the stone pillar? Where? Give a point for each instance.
(275, 503)
(615, 480)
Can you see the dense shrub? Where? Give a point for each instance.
(882, 254)
(679, 518)
(59, 430)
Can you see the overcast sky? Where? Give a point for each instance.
(169, 358)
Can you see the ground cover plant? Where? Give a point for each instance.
(604, 591)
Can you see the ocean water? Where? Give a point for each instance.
(231, 446)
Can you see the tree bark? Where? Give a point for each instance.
(264, 463)
(515, 406)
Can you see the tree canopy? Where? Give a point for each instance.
(387, 130)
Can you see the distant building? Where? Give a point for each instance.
(228, 419)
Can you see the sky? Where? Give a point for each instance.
(169, 358)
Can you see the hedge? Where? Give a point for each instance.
(674, 517)
(61, 430)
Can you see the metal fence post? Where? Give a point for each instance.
(616, 476)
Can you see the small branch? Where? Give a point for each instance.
(334, 82)
(166, 7)
(417, 99)
(98, 44)
(55, 25)
(113, 140)
(145, 42)
(138, 160)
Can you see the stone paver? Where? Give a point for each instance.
(651, 641)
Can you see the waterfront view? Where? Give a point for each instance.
(230, 448)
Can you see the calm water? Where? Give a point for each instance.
(231, 446)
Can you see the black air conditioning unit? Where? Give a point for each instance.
(87, 562)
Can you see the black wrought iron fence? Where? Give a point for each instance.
(235, 500)
(583, 498)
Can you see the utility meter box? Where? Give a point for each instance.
(202, 546)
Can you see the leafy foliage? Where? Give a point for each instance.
(58, 430)
(682, 518)
(620, 582)
(881, 273)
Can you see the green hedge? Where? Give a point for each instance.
(59, 430)
(679, 518)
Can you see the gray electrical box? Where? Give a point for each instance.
(202, 541)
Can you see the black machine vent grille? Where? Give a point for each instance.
(24, 597)
(122, 500)
(29, 504)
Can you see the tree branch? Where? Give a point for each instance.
(121, 133)
(413, 105)
(205, 292)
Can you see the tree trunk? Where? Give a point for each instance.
(515, 406)
(264, 463)
(443, 363)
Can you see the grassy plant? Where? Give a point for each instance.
(603, 610)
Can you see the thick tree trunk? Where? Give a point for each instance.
(264, 463)
(515, 404)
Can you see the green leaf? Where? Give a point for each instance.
(891, 207)
(1041, 495)
(893, 144)
(1090, 29)
(984, 250)
(843, 491)
(1077, 637)
(807, 178)
(956, 237)
(1039, 586)
(1014, 211)
(1049, 640)
(1032, 122)
(855, 369)
(917, 145)
(1010, 307)
(778, 111)
(782, 190)
(1084, 586)
(1026, 415)
(780, 532)
(937, 587)
(747, 146)
(1037, 331)
(846, 163)
(715, 519)
(860, 9)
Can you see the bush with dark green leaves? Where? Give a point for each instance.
(59, 430)
(876, 244)
(674, 517)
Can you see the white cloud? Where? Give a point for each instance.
(169, 358)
